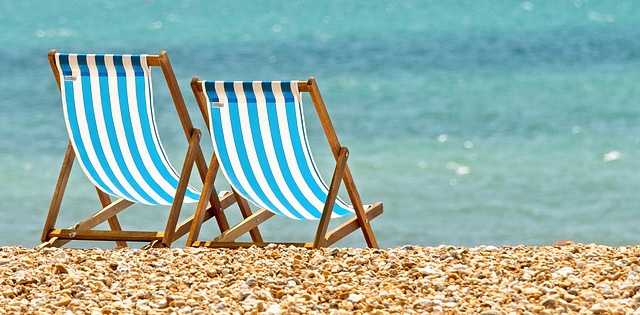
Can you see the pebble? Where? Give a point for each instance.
(251, 282)
(61, 269)
(355, 298)
(407, 247)
(488, 280)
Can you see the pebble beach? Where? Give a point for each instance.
(572, 279)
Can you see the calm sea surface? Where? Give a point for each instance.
(492, 122)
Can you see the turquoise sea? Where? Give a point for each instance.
(474, 122)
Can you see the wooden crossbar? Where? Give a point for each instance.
(352, 224)
(332, 237)
(246, 225)
(236, 245)
(104, 235)
(211, 212)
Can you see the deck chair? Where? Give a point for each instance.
(109, 113)
(259, 138)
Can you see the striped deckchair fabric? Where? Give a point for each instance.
(260, 140)
(108, 109)
(107, 101)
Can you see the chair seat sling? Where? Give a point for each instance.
(108, 109)
(259, 137)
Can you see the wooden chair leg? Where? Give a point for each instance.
(361, 215)
(320, 240)
(56, 201)
(352, 224)
(194, 145)
(332, 137)
(214, 199)
(245, 209)
(207, 191)
(91, 221)
(185, 226)
(114, 224)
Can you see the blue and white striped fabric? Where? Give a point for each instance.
(108, 108)
(260, 140)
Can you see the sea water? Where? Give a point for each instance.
(474, 122)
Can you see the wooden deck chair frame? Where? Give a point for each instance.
(83, 230)
(362, 217)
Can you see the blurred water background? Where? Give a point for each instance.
(474, 122)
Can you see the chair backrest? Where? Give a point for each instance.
(260, 140)
(108, 108)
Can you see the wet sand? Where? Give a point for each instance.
(575, 278)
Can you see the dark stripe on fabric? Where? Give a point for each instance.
(100, 65)
(116, 148)
(218, 135)
(145, 125)
(72, 120)
(243, 157)
(274, 127)
(292, 119)
(295, 116)
(261, 154)
(92, 121)
(123, 98)
(142, 92)
(300, 153)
